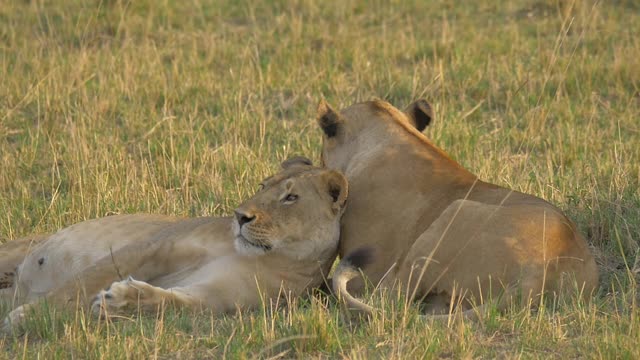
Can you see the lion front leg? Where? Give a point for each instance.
(14, 321)
(133, 294)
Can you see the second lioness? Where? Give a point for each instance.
(435, 229)
(283, 239)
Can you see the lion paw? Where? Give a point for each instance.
(120, 295)
(14, 321)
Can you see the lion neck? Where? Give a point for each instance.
(393, 143)
(297, 273)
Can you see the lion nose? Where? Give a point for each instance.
(243, 218)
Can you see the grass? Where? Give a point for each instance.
(181, 108)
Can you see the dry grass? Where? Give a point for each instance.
(159, 106)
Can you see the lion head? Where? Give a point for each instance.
(349, 131)
(295, 212)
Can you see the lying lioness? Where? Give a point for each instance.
(435, 229)
(281, 241)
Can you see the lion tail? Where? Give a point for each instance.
(347, 269)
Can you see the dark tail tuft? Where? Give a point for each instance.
(359, 258)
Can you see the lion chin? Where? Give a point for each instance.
(248, 248)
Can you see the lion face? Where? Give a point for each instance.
(296, 213)
(347, 134)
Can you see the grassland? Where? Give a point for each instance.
(181, 108)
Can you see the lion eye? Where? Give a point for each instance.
(291, 198)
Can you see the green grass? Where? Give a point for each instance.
(164, 107)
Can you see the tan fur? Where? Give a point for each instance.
(434, 228)
(11, 255)
(275, 244)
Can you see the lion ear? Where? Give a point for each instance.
(328, 119)
(338, 189)
(420, 114)
(296, 161)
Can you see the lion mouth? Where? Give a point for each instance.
(262, 246)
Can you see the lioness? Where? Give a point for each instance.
(282, 240)
(435, 229)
